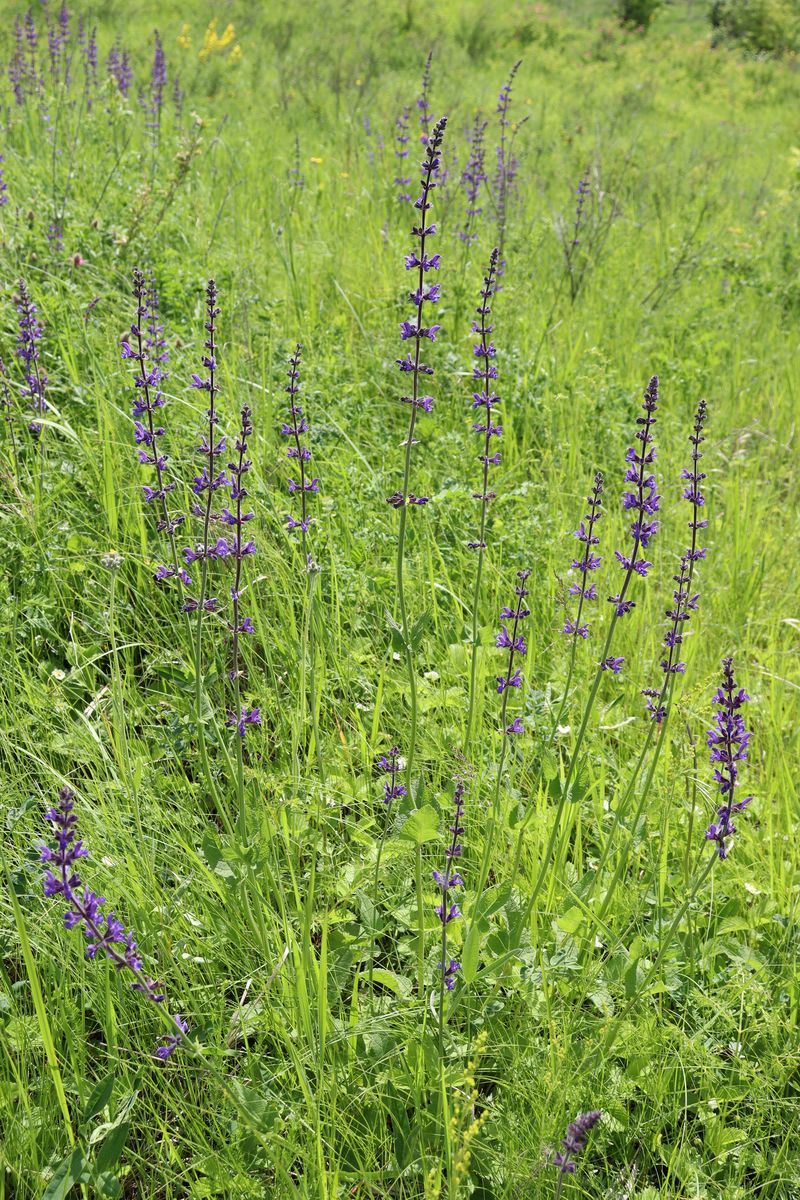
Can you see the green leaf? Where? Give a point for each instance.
(422, 825)
(109, 1153)
(571, 919)
(65, 1176)
(399, 984)
(469, 954)
(99, 1098)
(418, 630)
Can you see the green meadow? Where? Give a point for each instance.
(608, 959)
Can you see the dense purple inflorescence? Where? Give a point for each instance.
(104, 933)
(728, 743)
(240, 548)
(575, 1140)
(425, 293)
(684, 600)
(447, 880)
(473, 177)
(28, 338)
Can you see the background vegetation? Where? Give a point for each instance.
(275, 174)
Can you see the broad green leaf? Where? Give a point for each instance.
(422, 825)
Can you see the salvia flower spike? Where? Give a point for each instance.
(473, 177)
(447, 881)
(390, 764)
(28, 338)
(104, 932)
(210, 480)
(484, 401)
(587, 561)
(298, 451)
(241, 547)
(728, 743)
(641, 499)
(575, 1141)
(685, 599)
(415, 331)
(401, 137)
(515, 643)
(146, 348)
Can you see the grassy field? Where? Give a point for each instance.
(608, 958)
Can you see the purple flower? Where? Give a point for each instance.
(245, 717)
(589, 561)
(416, 329)
(515, 644)
(238, 470)
(3, 184)
(575, 1141)
(30, 332)
(294, 428)
(614, 665)
(473, 177)
(425, 117)
(507, 164)
(447, 879)
(685, 599)
(643, 499)
(728, 743)
(390, 763)
(401, 151)
(104, 933)
(484, 372)
(146, 347)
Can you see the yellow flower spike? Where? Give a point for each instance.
(226, 38)
(184, 40)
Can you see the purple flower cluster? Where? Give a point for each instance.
(575, 1141)
(728, 742)
(472, 177)
(237, 518)
(30, 333)
(119, 68)
(448, 879)
(300, 453)
(642, 500)
(507, 163)
(104, 933)
(210, 479)
(484, 374)
(588, 561)
(685, 600)
(401, 138)
(582, 192)
(424, 293)
(3, 184)
(390, 764)
(158, 82)
(515, 643)
(146, 348)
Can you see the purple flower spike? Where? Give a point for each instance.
(642, 500)
(515, 643)
(575, 1141)
(30, 332)
(446, 881)
(473, 177)
(401, 138)
(685, 599)
(485, 398)
(390, 763)
(237, 519)
(728, 743)
(294, 428)
(589, 561)
(417, 329)
(105, 934)
(146, 347)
